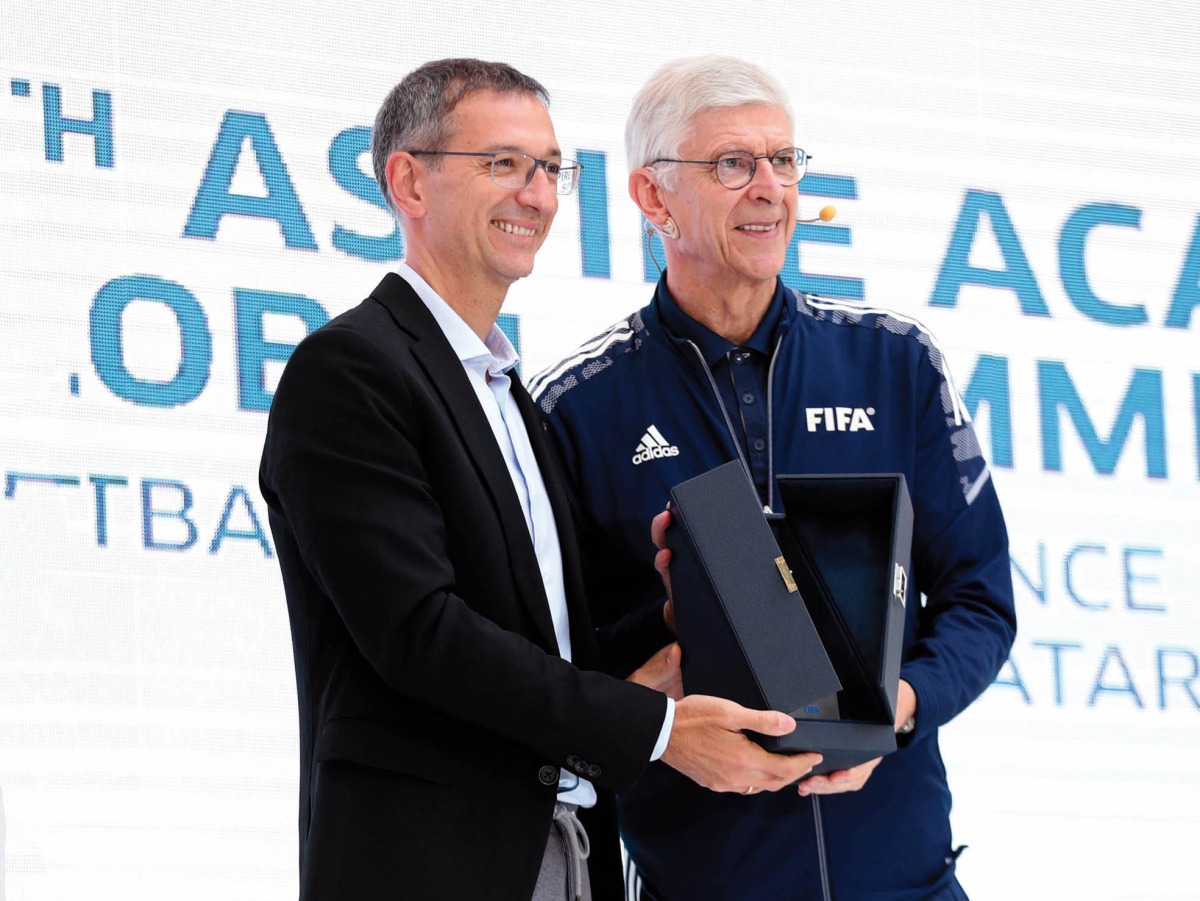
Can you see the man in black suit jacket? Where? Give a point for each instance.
(444, 656)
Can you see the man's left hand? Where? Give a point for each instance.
(839, 781)
(853, 779)
(906, 704)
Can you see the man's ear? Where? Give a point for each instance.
(648, 194)
(408, 182)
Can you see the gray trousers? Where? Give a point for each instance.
(564, 873)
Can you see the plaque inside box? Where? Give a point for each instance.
(818, 634)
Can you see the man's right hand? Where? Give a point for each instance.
(662, 562)
(707, 746)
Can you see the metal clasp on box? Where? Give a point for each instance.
(782, 566)
(900, 584)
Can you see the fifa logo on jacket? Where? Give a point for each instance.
(653, 446)
(839, 419)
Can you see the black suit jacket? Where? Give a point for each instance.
(434, 708)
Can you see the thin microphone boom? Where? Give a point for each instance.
(826, 215)
(648, 230)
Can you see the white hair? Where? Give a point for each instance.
(661, 117)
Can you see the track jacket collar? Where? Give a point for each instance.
(679, 328)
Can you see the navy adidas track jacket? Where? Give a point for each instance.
(658, 399)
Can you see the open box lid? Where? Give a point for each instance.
(744, 629)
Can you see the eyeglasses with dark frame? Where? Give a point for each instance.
(736, 168)
(513, 169)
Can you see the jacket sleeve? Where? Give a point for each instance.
(967, 622)
(343, 468)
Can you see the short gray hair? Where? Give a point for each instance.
(661, 117)
(415, 114)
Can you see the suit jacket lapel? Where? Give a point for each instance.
(584, 650)
(435, 355)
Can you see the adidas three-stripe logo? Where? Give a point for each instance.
(653, 446)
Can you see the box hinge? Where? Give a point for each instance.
(900, 584)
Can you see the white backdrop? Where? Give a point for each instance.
(181, 197)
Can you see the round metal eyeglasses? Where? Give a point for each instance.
(736, 168)
(511, 169)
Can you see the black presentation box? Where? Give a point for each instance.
(801, 612)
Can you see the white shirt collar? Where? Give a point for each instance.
(497, 351)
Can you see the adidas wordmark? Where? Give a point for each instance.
(653, 446)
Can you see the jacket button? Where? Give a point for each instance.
(593, 771)
(548, 775)
(573, 761)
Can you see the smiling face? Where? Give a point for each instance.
(473, 238)
(731, 240)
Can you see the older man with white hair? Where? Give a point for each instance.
(727, 363)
